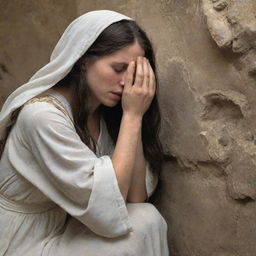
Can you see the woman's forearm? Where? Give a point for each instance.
(128, 159)
(125, 152)
(137, 191)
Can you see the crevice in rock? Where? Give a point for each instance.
(4, 69)
(245, 200)
(228, 105)
(219, 108)
(169, 158)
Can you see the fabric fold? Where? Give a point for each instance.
(70, 174)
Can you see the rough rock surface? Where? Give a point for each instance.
(206, 53)
(209, 126)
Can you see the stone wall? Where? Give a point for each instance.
(208, 195)
(206, 54)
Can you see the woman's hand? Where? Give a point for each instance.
(137, 97)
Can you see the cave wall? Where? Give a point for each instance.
(208, 194)
(206, 56)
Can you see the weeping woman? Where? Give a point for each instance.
(80, 152)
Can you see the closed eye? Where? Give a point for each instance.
(119, 70)
(119, 67)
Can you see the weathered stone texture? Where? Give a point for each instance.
(206, 53)
(28, 33)
(211, 134)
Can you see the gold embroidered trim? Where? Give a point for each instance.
(52, 100)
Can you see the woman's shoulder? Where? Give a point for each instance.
(43, 109)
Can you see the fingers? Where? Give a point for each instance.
(137, 97)
(152, 78)
(146, 69)
(145, 76)
(129, 75)
(149, 81)
(139, 72)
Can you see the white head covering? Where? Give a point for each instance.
(74, 42)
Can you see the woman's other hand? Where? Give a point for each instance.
(138, 96)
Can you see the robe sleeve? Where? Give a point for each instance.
(69, 173)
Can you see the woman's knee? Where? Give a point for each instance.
(146, 216)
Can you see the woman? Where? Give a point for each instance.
(80, 147)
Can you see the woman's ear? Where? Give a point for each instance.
(83, 65)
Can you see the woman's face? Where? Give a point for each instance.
(105, 76)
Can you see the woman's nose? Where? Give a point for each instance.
(122, 80)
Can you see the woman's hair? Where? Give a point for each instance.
(113, 38)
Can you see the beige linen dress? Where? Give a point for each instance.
(59, 198)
